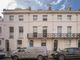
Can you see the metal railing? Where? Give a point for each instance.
(53, 35)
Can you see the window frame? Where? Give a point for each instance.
(45, 17)
(19, 42)
(21, 17)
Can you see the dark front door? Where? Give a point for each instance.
(79, 43)
(55, 45)
(7, 45)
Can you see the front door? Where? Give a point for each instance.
(55, 45)
(7, 45)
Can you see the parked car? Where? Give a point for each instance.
(67, 53)
(32, 52)
(2, 53)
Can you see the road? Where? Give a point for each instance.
(28, 59)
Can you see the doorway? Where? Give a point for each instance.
(7, 45)
(55, 45)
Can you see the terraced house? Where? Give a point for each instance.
(34, 28)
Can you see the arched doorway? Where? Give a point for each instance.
(55, 45)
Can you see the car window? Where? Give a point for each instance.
(21, 50)
(65, 49)
(70, 50)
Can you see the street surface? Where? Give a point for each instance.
(30, 59)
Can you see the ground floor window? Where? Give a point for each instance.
(31, 43)
(0, 42)
(78, 43)
(43, 42)
(19, 42)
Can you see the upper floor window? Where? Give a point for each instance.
(19, 42)
(69, 17)
(69, 28)
(11, 18)
(45, 17)
(35, 17)
(0, 30)
(59, 17)
(20, 29)
(21, 17)
(0, 42)
(11, 29)
(34, 28)
(59, 29)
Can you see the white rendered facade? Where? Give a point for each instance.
(57, 27)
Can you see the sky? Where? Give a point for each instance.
(39, 4)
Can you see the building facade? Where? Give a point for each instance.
(34, 28)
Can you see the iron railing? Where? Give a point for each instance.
(53, 35)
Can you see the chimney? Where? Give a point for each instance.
(49, 8)
(30, 8)
(69, 9)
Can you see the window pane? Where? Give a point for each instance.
(69, 29)
(44, 17)
(44, 31)
(0, 30)
(0, 42)
(11, 18)
(20, 29)
(35, 17)
(34, 28)
(69, 17)
(59, 17)
(43, 43)
(19, 42)
(11, 29)
(59, 29)
(21, 18)
(31, 43)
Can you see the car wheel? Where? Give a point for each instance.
(40, 57)
(15, 58)
(61, 57)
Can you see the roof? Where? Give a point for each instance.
(27, 11)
